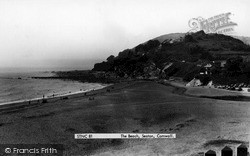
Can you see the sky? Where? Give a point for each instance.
(75, 34)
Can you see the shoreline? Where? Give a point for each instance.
(36, 102)
(55, 95)
(45, 92)
(19, 106)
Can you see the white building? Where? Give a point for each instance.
(210, 84)
(194, 82)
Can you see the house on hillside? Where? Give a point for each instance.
(203, 71)
(208, 66)
(171, 41)
(206, 69)
(210, 84)
(193, 83)
(223, 63)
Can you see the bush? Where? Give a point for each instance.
(189, 38)
(65, 98)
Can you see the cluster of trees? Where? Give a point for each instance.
(129, 61)
(189, 38)
(236, 70)
(151, 44)
(199, 52)
(236, 66)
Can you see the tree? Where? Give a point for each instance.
(234, 65)
(104, 66)
(189, 38)
(139, 48)
(111, 58)
(151, 44)
(195, 49)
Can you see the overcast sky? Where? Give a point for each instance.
(77, 33)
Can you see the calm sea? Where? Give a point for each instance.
(20, 86)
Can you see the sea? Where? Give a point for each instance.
(20, 86)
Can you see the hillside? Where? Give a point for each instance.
(244, 39)
(172, 36)
(187, 54)
(177, 36)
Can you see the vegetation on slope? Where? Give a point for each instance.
(187, 54)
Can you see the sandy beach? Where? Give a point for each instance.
(200, 124)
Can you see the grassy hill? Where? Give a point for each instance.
(172, 36)
(186, 52)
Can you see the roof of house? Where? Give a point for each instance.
(208, 65)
